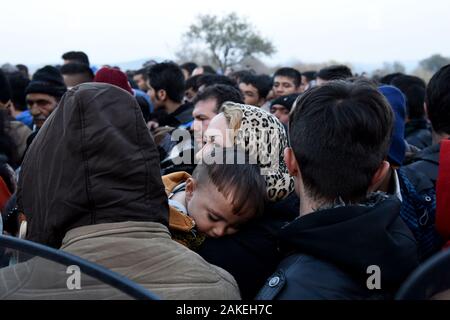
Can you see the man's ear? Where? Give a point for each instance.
(291, 162)
(426, 109)
(379, 176)
(191, 185)
(161, 95)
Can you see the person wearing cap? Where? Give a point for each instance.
(281, 106)
(399, 182)
(397, 147)
(118, 78)
(43, 94)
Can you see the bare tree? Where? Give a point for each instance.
(229, 39)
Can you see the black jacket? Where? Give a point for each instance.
(331, 250)
(427, 162)
(181, 116)
(418, 133)
(252, 254)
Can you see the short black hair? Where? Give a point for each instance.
(292, 73)
(221, 93)
(353, 122)
(5, 89)
(335, 72)
(387, 79)
(414, 90)
(208, 69)
(189, 67)
(143, 72)
(77, 68)
(76, 56)
(23, 69)
(241, 181)
(437, 99)
(18, 84)
(192, 82)
(262, 83)
(238, 75)
(169, 77)
(310, 75)
(210, 79)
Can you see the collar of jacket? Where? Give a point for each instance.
(355, 237)
(128, 229)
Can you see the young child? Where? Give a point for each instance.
(216, 200)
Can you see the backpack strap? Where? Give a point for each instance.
(443, 193)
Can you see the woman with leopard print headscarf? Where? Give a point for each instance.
(260, 134)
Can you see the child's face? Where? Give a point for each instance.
(211, 211)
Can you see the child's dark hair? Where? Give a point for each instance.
(234, 175)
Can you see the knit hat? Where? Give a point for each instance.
(397, 102)
(47, 80)
(114, 77)
(285, 101)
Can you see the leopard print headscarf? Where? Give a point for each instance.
(263, 136)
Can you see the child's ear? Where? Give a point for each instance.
(191, 184)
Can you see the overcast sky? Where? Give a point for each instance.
(37, 32)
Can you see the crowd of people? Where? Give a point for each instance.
(200, 185)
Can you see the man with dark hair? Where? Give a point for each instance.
(207, 105)
(417, 130)
(75, 56)
(207, 80)
(191, 88)
(76, 73)
(23, 70)
(206, 69)
(19, 109)
(437, 103)
(15, 132)
(281, 107)
(340, 134)
(187, 69)
(238, 75)
(335, 72)
(166, 90)
(255, 89)
(308, 80)
(140, 78)
(43, 93)
(286, 81)
(387, 79)
(399, 182)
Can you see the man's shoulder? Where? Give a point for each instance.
(302, 276)
(426, 163)
(184, 113)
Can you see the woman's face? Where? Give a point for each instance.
(217, 135)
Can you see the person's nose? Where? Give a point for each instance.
(197, 127)
(34, 109)
(219, 231)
